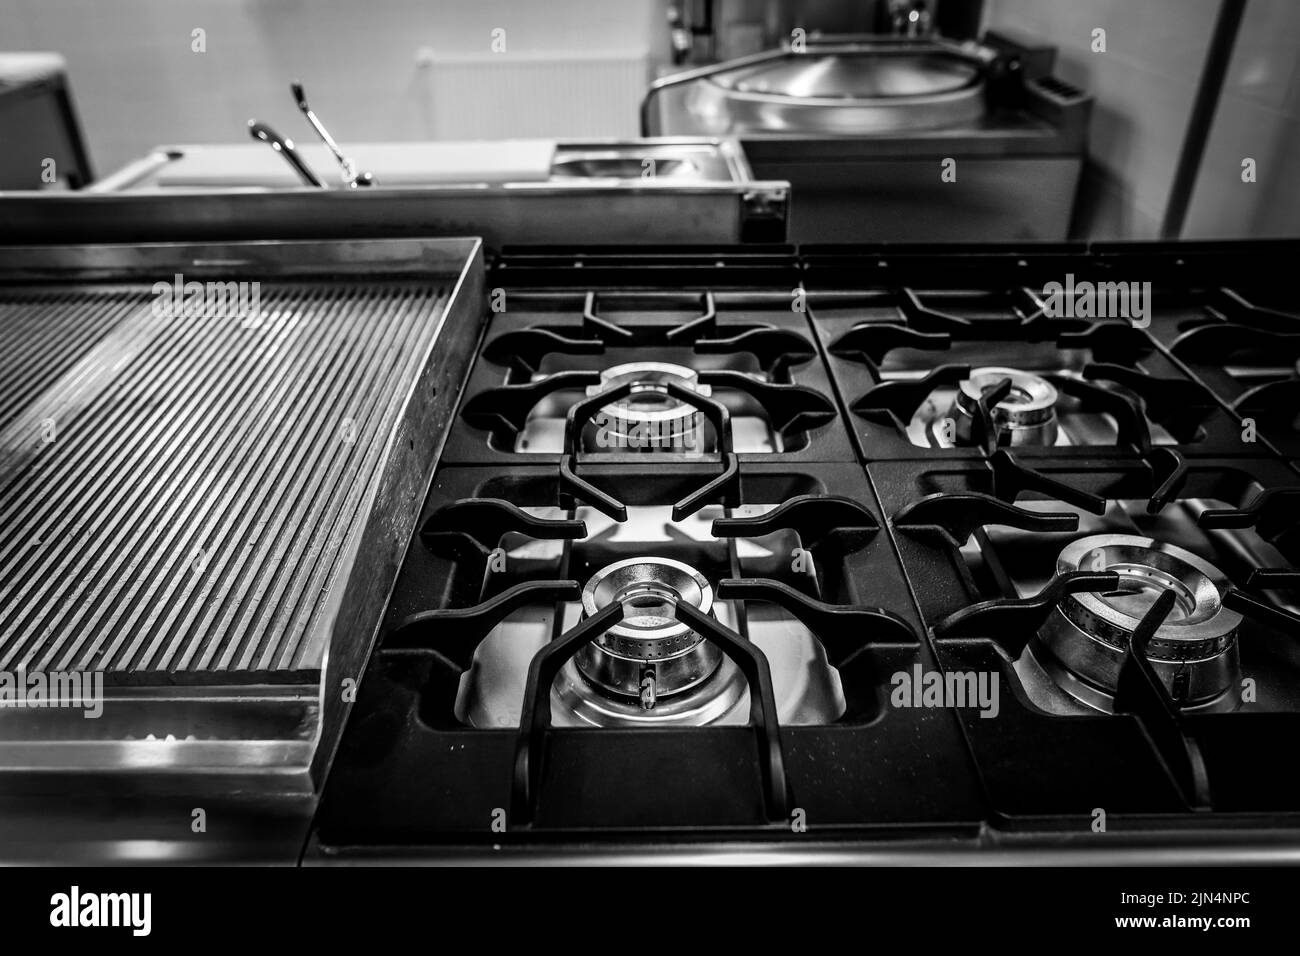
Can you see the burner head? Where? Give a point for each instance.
(649, 654)
(649, 419)
(1194, 653)
(1027, 415)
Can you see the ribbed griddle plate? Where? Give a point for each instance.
(176, 492)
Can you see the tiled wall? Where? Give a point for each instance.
(1144, 85)
(138, 84)
(1258, 118)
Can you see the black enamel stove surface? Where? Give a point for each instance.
(900, 357)
(991, 584)
(844, 546)
(545, 349)
(1245, 351)
(980, 525)
(412, 771)
(1229, 315)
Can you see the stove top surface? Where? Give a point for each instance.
(710, 555)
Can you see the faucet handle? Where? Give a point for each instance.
(284, 146)
(351, 178)
(911, 18)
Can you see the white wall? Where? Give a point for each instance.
(1144, 86)
(137, 83)
(1259, 118)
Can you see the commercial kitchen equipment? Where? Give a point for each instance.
(702, 574)
(885, 138)
(664, 190)
(43, 144)
(707, 31)
(823, 553)
(210, 456)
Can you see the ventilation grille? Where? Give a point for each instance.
(1058, 88)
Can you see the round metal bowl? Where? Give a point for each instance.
(851, 93)
(624, 167)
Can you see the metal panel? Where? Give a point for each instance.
(528, 215)
(222, 500)
(171, 499)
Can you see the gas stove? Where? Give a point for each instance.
(1247, 351)
(1148, 649)
(955, 373)
(843, 546)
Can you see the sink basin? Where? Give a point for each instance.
(623, 167)
(565, 164)
(677, 162)
(848, 91)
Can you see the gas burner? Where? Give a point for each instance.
(1027, 415)
(650, 667)
(649, 654)
(1194, 653)
(649, 419)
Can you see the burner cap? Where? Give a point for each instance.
(649, 654)
(1194, 652)
(649, 417)
(1027, 414)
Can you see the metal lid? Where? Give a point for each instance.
(849, 77)
(849, 92)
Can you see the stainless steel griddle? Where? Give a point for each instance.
(206, 504)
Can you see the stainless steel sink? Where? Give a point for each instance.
(622, 167)
(628, 191)
(859, 126)
(573, 164)
(680, 162)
